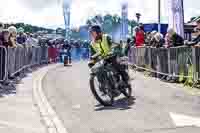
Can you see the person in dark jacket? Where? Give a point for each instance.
(158, 40)
(21, 38)
(4, 38)
(195, 41)
(67, 50)
(175, 39)
(128, 46)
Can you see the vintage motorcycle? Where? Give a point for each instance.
(106, 83)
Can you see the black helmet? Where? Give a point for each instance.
(66, 41)
(95, 28)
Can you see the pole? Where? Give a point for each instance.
(66, 13)
(159, 15)
(182, 2)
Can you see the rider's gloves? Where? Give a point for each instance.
(95, 56)
(91, 63)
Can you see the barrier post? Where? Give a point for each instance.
(194, 60)
(169, 63)
(3, 63)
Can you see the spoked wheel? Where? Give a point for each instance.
(103, 95)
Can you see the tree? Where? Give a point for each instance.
(116, 19)
(109, 22)
(193, 18)
(132, 24)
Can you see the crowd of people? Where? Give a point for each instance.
(157, 40)
(13, 37)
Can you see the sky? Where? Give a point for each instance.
(49, 13)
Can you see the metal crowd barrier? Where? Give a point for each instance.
(3, 63)
(44, 54)
(196, 62)
(20, 58)
(175, 62)
(80, 54)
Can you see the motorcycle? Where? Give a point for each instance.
(110, 84)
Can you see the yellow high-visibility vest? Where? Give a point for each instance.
(102, 46)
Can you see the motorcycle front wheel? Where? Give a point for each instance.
(110, 98)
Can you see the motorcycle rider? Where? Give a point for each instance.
(68, 48)
(101, 47)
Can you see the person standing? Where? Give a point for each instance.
(1, 35)
(21, 38)
(12, 38)
(140, 36)
(175, 39)
(67, 51)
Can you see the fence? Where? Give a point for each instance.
(3, 63)
(77, 54)
(14, 60)
(80, 54)
(179, 62)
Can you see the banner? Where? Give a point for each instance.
(66, 13)
(176, 16)
(124, 25)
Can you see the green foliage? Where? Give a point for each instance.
(193, 18)
(109, 22)
(29, 28)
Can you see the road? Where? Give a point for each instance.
(159, 107)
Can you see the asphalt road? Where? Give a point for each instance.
(67, 89)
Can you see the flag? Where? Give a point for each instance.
(66, 14)
(176, 16)
(124, 25)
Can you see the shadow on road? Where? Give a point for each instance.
(8, 87)
(7, 90)
(120, 104)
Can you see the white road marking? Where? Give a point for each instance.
(183, 120)
(44, 106)
(77, 106)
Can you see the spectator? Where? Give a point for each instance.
(5, 38)
(127, 47)
(175, 39)
(151, 38)
(21, 38)
(1, 36)
(147, 38)
(140, 36)
(29, 40)
(198, 23)
(195, 41)
(158, 40)
(167, 41)
(133, 41)
(12, 39)
(1, 27)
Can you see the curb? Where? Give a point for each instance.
(48, 115)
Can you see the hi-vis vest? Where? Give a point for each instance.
(102, 46)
